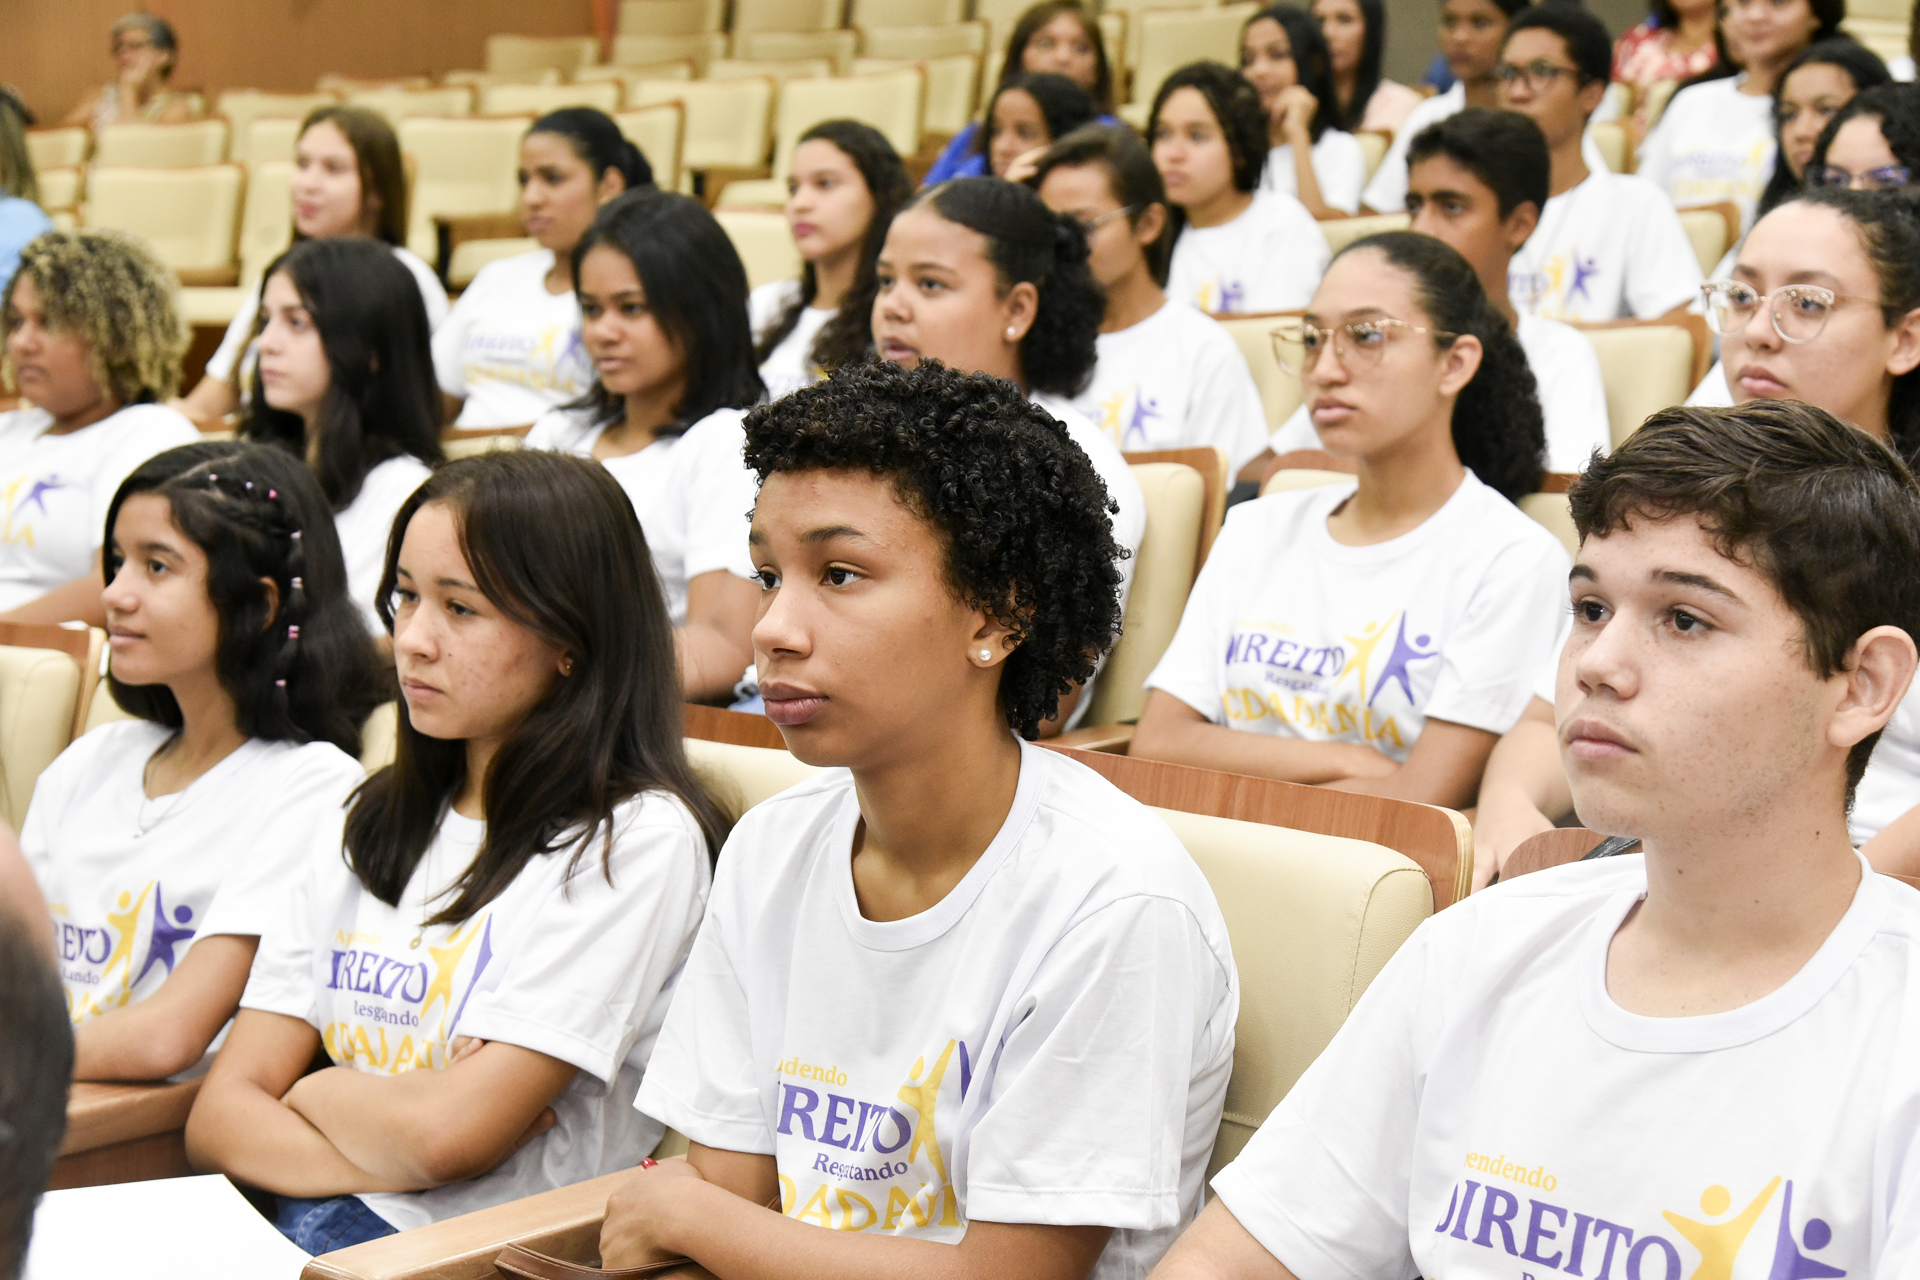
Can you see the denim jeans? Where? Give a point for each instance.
(321, 1226)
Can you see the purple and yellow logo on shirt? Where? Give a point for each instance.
(394, 999)
(91, 955)
(1333, 691)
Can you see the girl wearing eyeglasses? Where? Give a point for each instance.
(1870, 144)
(1378, 635)
(1822, 81)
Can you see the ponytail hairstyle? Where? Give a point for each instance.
(1861, 65)
(1373, 48)
(1498, 431)
(382, 398)
(848, 336)
(1236, 108)
(383, 177)
(1028, 243)
(696, 290)
(1131, 177)
(597, 140)
(1888, 225)
(1064, 105)
(297, 662)
(608, 731)
(1312, 62)
(1044, 13)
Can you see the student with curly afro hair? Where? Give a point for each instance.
(91, 339)
(1379, 635)
(931, 962)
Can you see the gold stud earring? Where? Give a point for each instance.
(566, 666)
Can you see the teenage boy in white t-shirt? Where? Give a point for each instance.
(1695, 1061)
(1609, 245)
(960, 1000)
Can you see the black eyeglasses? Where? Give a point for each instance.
(1888, 177)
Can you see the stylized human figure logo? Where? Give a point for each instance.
(1719, 1242)
(1363, 645)
(165, 935)
(446, 966)
(1583, 271)
(1788, 1262)
(923, 1095)
(1398, 660)
(125, 923)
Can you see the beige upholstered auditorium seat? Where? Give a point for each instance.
(61, 188)
(538, 99)
(1253, 334)
(378, 735)
(398, 105)
(660, 132)
(1178, 519)
(243, 107)
(536, 53)
(478, 80)
(1134, 12)
(1551, 512)
(945, 40)
(764, 243)
(59, 148)
(1610, 136)
(1712, 229)
(837, 47)
(266, 222)
(779, 70)
(627, 77)
(462, 167)
(189, 217)
(1312, 919)
(729, 122)
(785, 15)
(1647, 366)
(639, 51)
(1161, 40)
(1373, 145)
(103, 709)
(890, 101)
(161, 146)
(1341, 232)
(906, 13)
(671, 17)
(42, 677)
(269, 139)
(953, 89)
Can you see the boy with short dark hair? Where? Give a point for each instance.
(1695, 1061)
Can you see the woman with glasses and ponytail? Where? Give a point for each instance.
(165, 842)
(1379, 635)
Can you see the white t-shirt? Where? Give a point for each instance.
(1611, 247)
(1293, 634)
(789, 366)
(1339, 166)
(1892, 782)
(1175, 381)
(240, 336)
(366, 524)
(1270, 258)
(1713, 391)
(1713, 143)
(692, 493)
(55, 490)
(134, 882)
(987, 1058)
(1573, 400)
(1130, 524)
(1387, 191)
(562, 962)
(509, 347)
(1487, 1109)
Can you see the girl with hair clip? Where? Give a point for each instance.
(21, 217)
(1823, 308)
(348, 180)
(346, 382)
(1167, 377)
(843, 188)
(1715, 141)
(1237, 247)
(1819, 83)
(93, 341)
(663, 300)
(1060, 37)
(166, 842)
(934, 551)
(1379, 635)
(484, 943)
(1356, 36)
(1284, 55)
(1025, 115)
(510, 349)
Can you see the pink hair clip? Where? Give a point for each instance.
(293, 632)
(281, 684)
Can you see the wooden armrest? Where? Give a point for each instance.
(564, 1223)
(1113, 738)
(714, 180)
(481, 226)
(208, 277)
(49, 635)
(481, 433)
(100, 1114)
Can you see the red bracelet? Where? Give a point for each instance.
(647, 1162)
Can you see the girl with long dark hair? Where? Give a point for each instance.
(484, 944)
(1356, 36)
(1284, 55)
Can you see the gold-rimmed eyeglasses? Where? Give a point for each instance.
(1798, 311)
(1359, 345)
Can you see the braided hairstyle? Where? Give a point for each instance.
(1029, 243)
(1498, 430)
(297, 660)
(848, 336)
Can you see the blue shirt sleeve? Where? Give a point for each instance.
(960, 159)
(21, 221)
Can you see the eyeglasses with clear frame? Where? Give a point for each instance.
(1357, 346)
(1093, 224)
(1537, 76)
(1887, 177)
(1798, 311)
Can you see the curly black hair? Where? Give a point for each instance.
(1029, 243)
(1498, 430)
(1026, 520)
